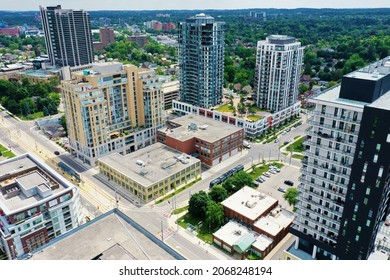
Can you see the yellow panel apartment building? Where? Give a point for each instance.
(112, 108)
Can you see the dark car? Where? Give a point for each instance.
(289, 182)
(57, 153)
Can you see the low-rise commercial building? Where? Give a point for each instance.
(36, 205)
(150, 172)
(248, 205)
(256, 224)
(206, 139)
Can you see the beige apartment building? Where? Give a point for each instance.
(112, 108)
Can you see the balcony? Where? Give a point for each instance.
(321, 216)
(344, 130)
(333, 117)
(330, 208)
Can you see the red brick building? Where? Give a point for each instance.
(209, 140)
(141, 40)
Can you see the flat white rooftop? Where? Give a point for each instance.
(274, 224)
(332, 95)
(23, 173)
(262, 242)
(231, 232)
(150, 164)
(382, 102)
(249, 203)
(201, 127)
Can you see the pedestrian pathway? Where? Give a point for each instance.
(167, 232)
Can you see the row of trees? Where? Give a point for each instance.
(130, 52)
(26, 98)
(10, 44)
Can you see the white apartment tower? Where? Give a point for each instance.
(278, 69)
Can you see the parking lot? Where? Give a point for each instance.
(270, 186)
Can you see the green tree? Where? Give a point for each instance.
(214, 215)
(228, 185)
(218, 193)
(198, 204)
(291, 195)
(303, 88)
(241, 179)
(63, 123)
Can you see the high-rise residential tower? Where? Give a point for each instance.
(201, 60)
(278, 69)
(67, 35)
(344, 191)
(112, 108)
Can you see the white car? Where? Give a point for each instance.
(272, 171)
(266, 174)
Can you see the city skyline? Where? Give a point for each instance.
(18, 5)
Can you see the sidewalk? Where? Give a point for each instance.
(209, 248)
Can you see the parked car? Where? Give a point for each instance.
(266, 174)
(260, 179)
(289, 182)
(272, 171)
(276, 140)
(274, 168)
(57, 153)
(246, 145)
(284, 132)
(281, 190)
(256, 183)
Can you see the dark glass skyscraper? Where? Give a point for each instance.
(201, 60)
(67, 35)
(344, 191)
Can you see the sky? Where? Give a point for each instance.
(92, 5)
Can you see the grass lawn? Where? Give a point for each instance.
(259, 170)
(254, 117)
(202, 233)
(297, 146)
(277, 164)
(179, 210)
(178, 191)
(34, 116)
(225, 108)
(298, 156)
(5, 152)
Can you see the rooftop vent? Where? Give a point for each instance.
(192, 126)
(250, 204)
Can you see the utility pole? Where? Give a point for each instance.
(162, 231)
